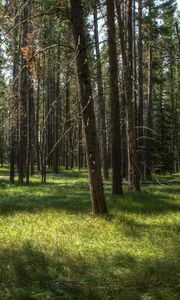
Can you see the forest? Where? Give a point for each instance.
(89, 149)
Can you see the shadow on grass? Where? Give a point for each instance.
(138, 230)
(28, 273)
(74, 201)
(175, 189)
(146, 203)
(4, 171)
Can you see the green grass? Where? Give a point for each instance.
(51, 247)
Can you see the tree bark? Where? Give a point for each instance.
(149, 100)
(23, 100)
(57, 124)
(101, 102)
(114, 100)
(37, 126)
(140, 110)
(126, 49)
(133, 178)
(14, 117)
(88, 116)
(67, 120)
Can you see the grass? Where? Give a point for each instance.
(51, 247)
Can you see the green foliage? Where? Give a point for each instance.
(51, 247)
(56, 4)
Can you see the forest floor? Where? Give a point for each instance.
(51, 247)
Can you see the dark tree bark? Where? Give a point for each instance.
(122, 39)
(101, 102)
(49, 109)
(88, 116)
(37, 127)
(14, 115)
(126, 49)
(114, 100)
(44, 129)
(135, 62)
(176, 115)
(124, 137)
(23, 100)
(2, 142)
(31, 129)
(133, 178)
(32, 134)
(67, 117)
(149, 100)
(140, 110)
(56, 153)
(173, 108)
(80, 141)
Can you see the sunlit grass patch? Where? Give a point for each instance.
(51, 247)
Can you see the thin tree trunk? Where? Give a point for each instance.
(23, 129)
(135, 86)
(176, 125)
(126, 49)
(67, 116)
(80, 148)
(44, 129)
(133, 178)
(140, 94)
(57, 116)
(13, 117)
(149, 101)
(114, 100)
(101, 102)
(37, 127)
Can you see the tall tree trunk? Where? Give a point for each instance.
(44, 129)
(37, 127)
(176, 124)
(127, 58)
(30, 134)
(14, 117)
(140, 94)
(149, 100)
(135, 77)
(124, 136)
(122, 39)
(23, 128)
(173, 109)
(2, 142)
(67, 117)
(88, 116)
(80, 141)
(101, 102)
(56, 153)
(126, 49)
(49, 109)
(133, 178)
(114, 100)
